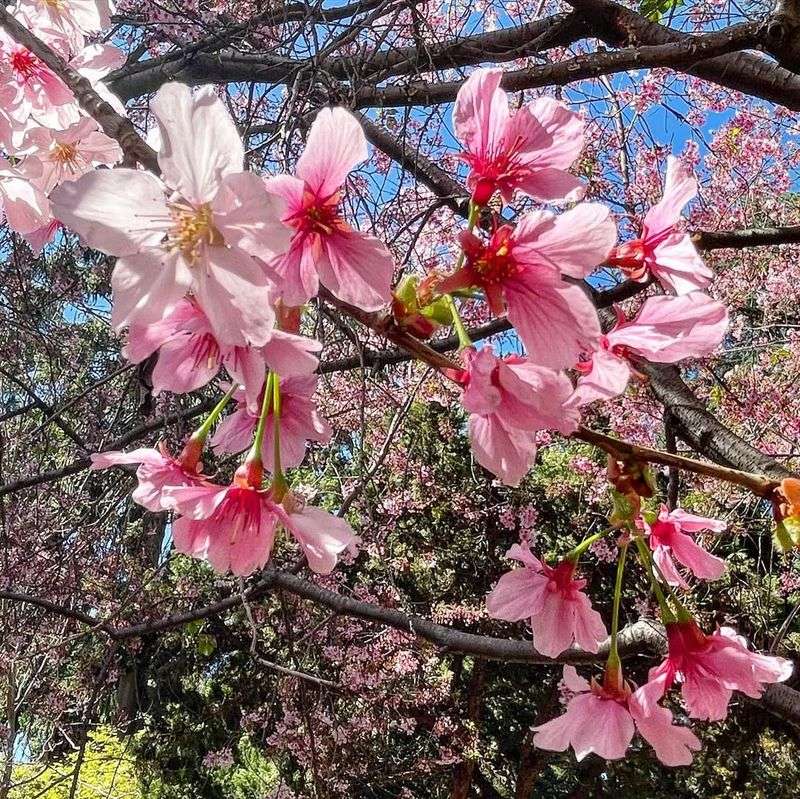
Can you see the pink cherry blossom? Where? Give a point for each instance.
(552, 598)
(602, 719)
(158, 470)
(670, 539)
(195, 232)
(25, 206)
(233, 527)
(528, 152)
(662, 250)
(68, 154)
(300, 422)
(37, 88)
(711, 667)
(190, 355)
(666, 330)
(521, 269)
(509, 400)
(355, 267)
(70, 18)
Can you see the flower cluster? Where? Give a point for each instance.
(215, 264)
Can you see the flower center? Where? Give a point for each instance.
(25, 64)
(494, 264)
(56, 5)
(318, 215)
(65, 155)
(193, 230)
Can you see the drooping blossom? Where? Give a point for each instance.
(666, 330)
(663, 250)
(552, 598)
(25, 206)
(300, 422)
(671, 539)
(190, 355)
(510, 399)
(521, 270)
(711, 667)
(603, 719)
(70, 18)
(233, 527)
(68, 154)
(194, 232)
(355, 267)
(158, 470)
(529, 152)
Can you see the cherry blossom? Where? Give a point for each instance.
(666, 330)
(68, 154)
(324, 249)
(158, 470)
(194, 232)
(300, 422)
(521, 269)
(509, 400)
(529, 152)
(670, 539)
(711, 667)
(70, 18)
(662, 250)
(25, 206)
(602, 719)
(233, 527)
(552, 599)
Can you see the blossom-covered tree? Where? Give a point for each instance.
(315, 314)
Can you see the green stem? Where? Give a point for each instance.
(613, 655)
(258, 441)
(464, 341)
(574, 554)
(202, 432)
(279, 484)
(644, 555)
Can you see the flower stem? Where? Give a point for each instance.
(575, 553)
(464, 341)
(202, 432)
(644, 555)
(279, 484)
(613, 655)
(266, 402)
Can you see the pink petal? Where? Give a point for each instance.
(668, 329)
(104, 460)
(248, 217)
(554, 626)
(556, 735)
(480, 113)
(678, 266)
(335, 145)
(523, 554)
(607, 731)
(116, 211)
(607, 379)
(179, 370)
(232, 290)
(701, 563)
(517, 595)
(147, 287)
(322, 536)
(673, 745)
(358, 269)
(509, 454)
(297, 269)
(289, 355)
(590, 631)
(564, 128)
(556, 321)
(199, 141)
(574, 243)
(573, 681)
(679, 187)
